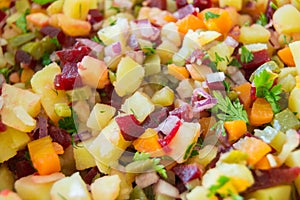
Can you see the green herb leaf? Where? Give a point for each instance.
(141, 156)
(55, 41)
(6, 72)
(235, 62)
(148, 50)
(220, 183)
(68, 123)
(46, 59)
(189, 150)
(117, 9)
(218, 58)
(263, 84)
(42, 2)
(209, 15)
(262, 20)
(231, 111)
(97, 39)
(246, 56)
(219, 128)
(273, 5)
(22, 22)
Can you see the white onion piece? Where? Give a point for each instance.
(137, 56)
(113, 50)
(215, 77)
(231, 42)
(168, 124)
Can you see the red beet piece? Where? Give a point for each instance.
(2, 126)
(181, 3)
(161, 4)
(24, 58)
(90, 175)
(202, 4)
(155, 118)
(60, 136)
(130, 127)
(73, 55)
(94, 16)
(187, 172)
(2, 15)
(50, 31)
(166, 140)
(259, 58)
(273, 177)
(69, 78)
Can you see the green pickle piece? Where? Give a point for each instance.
(140, 166)
(138, 193)
(80, 94)
(21, 39)
(285, 120)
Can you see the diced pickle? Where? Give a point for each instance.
(140, 166)
(80, 94)
(21, 39)
(285, 120)
(138, 193)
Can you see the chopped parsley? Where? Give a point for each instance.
(68, 123)
(160, 169)
(42, 2)
(218, 58)
(6, 72)
(22, 22)
(117, 9)
(287, 42)
(265, 89)
(273, 5)
(246, 55)
(209, 15)
(189, 150)
(235, 62)
(46, 59)
(220, 183)
(148, 50)
(55, 41)
(262, 20)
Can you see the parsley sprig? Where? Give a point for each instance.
(209, 15)
(262, 20)
(156, 166)
(214, 188)
(231, 110)
(265, 89)
(246, 55)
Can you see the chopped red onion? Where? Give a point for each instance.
(196, 57)
(168, 124)
(94, 46)
(137, 56)
(146, 29)
(183, 112)
(201, 100)
(82, 136)
(132, 42)
(215, 77)
(182, 12)
(113, 50)
(230, 41)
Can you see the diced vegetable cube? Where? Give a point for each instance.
(100, 116)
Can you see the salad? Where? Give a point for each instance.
(156, 99)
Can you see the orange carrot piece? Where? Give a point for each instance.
(26, 75)
(43, 156)
(263, 164)
(235, 129)
(178, 72)
(221, 23)
(255, 148)
(58, 148)
(38, 19)
(148, 143)
(261, 112)
(170, 18)
(286, 56)
(244, 92)
(189, 22)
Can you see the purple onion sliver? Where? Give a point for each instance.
(186, 10)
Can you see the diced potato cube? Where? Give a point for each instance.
(293, 161)
(281, 192)
(138, 104)
(106, 186)
(83, 157)
(42, 83)
(163, 97)
(152, 65)
(254, 34)
(72, 187)
(200, 192)
(166, 51)
(295, 49)
(238, 4)
(77, 9)
(286, 18)
(100, 116)
(294, 103)
(55, 7)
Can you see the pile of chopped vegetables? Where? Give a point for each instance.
(155, 99)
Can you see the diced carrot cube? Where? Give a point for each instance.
(261, 112)
(235, 129)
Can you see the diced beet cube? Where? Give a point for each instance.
(90, 175)
(2, 15)
(2, 126)
(24, 59)
(94, 16)
(259, 58)
(130, 127)
(202, 4)
(50, 31)
(60, 136)
(188, 172)
(273, 177)
(181, 3)
(155, 118)
(73, 55)
(161, 4)
(166, 140)
(69, 78)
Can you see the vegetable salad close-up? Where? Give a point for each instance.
(154, 99)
